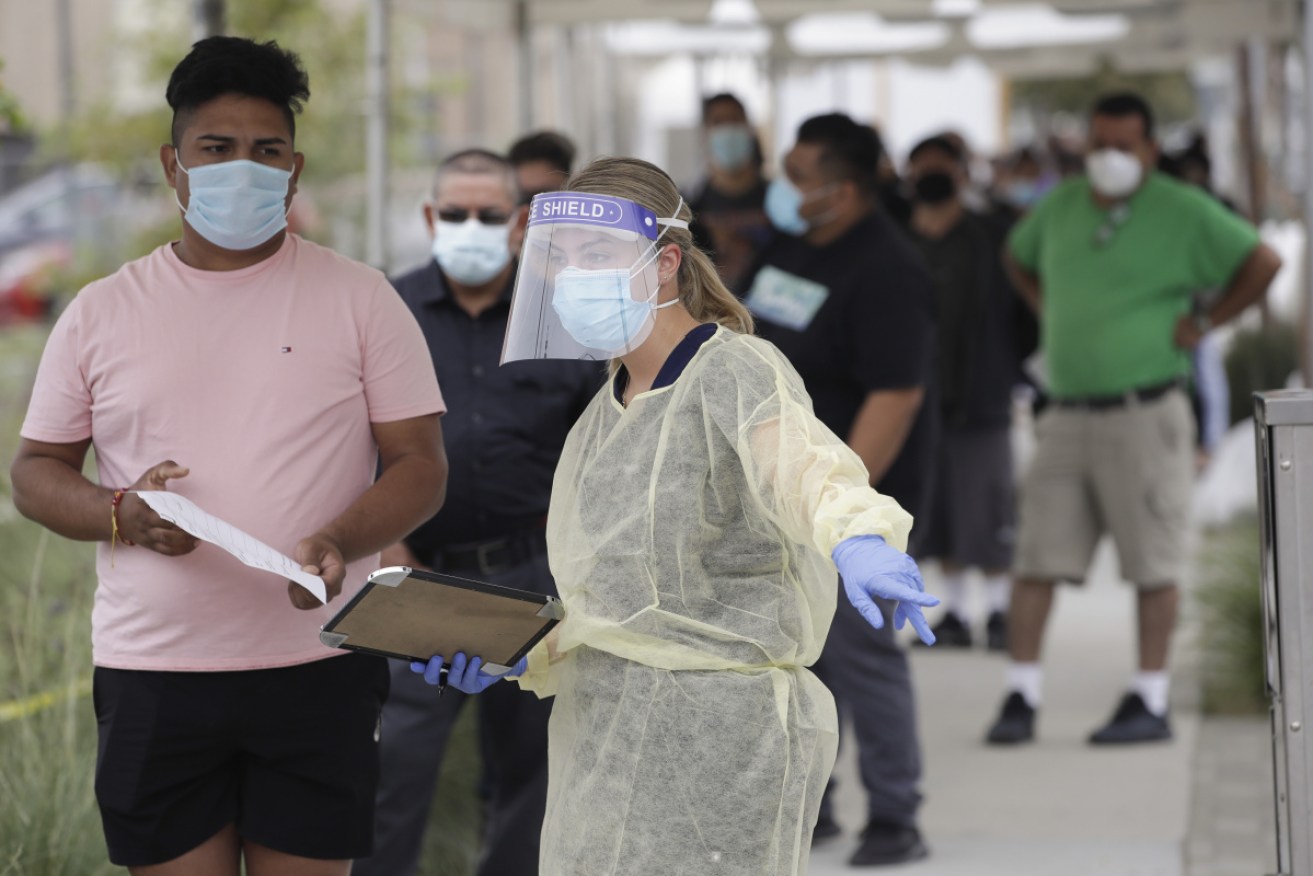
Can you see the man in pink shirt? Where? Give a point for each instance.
(267, 379)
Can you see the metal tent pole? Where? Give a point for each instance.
(376, 134)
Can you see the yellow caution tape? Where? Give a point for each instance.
(28, 706)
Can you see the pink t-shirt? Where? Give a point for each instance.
(264, 382)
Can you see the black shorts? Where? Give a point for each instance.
(288, 755)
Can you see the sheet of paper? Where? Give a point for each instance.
(187, 515)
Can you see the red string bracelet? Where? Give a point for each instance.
(115, 532)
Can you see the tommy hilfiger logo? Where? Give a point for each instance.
(284, 349)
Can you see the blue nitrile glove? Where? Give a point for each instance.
(873, 569)
(464, 675)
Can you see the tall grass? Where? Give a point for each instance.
(48, 820)
(1230, 608)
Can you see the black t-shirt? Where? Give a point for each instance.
(980, 316)
(853, 318)
(505, 425)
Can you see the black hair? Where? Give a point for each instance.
(556, 149)
(850, 150)
(937, 144)
(1125, 103)
(723, 97)
(221, 65)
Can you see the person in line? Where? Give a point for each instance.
(542, 161)
(264, 378)
(845, 297)
(503, 439)
(697, 517)
(972, 521)
(1210, 395)
(1111, 261)
(730, 223)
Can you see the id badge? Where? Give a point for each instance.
(785, 299)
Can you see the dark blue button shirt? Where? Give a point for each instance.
(505, 424)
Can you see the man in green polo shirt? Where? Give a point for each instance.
(1112, 262)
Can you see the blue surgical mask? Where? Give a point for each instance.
(236, 205)
(470, 252)
(598, 309)
(783, 199)
(731, 146)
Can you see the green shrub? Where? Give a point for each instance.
(1229, 602)
(1260, 359)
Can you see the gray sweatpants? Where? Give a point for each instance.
(867, 672)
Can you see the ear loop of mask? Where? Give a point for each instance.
(666, 224)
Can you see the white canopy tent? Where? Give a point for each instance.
(1017, 39)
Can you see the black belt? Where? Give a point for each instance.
(1106, 402)
(492, 556)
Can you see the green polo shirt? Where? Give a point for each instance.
(1115, 282)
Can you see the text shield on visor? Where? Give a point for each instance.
(587, 281)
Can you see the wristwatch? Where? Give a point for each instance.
(1203, 323)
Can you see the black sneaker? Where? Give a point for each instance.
(885, 843)
(950, 632)
(826, 828)
(1016, 723)
(996, 631)
(1132, 722)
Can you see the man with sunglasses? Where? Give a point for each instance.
(1111, 262)
(503, 435)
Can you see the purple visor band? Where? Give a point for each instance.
(604, 211)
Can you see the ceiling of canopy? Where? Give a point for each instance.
(1018, 38)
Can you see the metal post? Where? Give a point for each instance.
(376, 134)
(209, 18)
(67, 104)
(1307, 339)
(1283, 427)
(67, 85)
(523, 67)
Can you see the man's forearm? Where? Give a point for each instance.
(1249, 284)
(55, 495)
(407, 493)
(882, 426)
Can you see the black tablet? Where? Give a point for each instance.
(409, 614)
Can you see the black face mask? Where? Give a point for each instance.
(935, 188)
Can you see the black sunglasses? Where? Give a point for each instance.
(488, 216)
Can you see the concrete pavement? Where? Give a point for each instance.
(1058, 805)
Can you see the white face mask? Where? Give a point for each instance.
(1113, 173)
(470, 252)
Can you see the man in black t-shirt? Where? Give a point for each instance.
(729, 219)
(845, 297)
(972, 519)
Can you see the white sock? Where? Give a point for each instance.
(998, 591)
(953, 594)
(1026, 679)
(1152, 688)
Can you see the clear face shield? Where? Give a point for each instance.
(588, 281)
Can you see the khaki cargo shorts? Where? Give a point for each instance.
(1128, 471)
